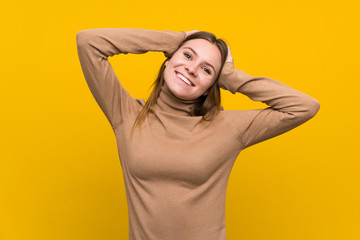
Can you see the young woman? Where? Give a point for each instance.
(177, 149)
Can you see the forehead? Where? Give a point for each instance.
(205, 50)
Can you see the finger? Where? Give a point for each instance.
(229, 57)
(191, 32)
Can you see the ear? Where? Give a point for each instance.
(166, 63)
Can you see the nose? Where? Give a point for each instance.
(191, 68)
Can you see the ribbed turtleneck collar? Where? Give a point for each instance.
(168, 102)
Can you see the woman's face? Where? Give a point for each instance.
(192, 69)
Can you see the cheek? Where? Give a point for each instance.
(177, 59)
(210, 81)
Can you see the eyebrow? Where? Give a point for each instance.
(205, 61)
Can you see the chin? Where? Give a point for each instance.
(181, 96)
(178, 91)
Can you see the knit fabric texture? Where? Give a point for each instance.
(176, 167)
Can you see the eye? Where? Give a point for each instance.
(207, 70)
(188, 56)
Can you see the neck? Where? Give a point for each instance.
(168, 102)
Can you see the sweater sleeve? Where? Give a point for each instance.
(288, 107)
(94, 46)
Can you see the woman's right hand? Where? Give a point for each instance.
(188, 33)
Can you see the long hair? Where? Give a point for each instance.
(206, 106)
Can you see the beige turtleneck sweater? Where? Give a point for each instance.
(177, 166)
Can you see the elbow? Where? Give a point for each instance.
(312, 108)
(307, 110)
(315, 107)
(82, 37)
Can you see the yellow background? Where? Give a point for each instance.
(60, 175)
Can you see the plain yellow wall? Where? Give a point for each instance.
(60, 175)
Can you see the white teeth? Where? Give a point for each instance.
(184, 79)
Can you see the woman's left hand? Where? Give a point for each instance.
(229, 57)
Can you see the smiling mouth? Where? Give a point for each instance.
(184, 79)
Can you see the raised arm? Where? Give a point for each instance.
(96, 45)
(288, 109)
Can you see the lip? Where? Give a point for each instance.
(193, 85)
